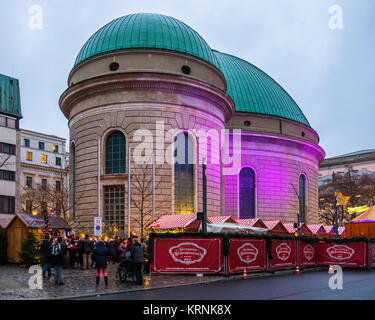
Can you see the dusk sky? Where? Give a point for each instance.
(330, 73)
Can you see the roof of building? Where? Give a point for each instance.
(10, 100)
(146, 31)
(37, 221)
(356, 153)
(254, 91)
(5, 219)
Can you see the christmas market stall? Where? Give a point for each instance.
(317, 230)
(275, 227)
(21, 224)
(175, 223)
(251, 223)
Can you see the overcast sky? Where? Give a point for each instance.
(329, 72)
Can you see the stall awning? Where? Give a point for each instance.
(251, 222)
(367, 215)
(173, 221)
(290, 227)
(315, 228)
(234, 228)
(221, 219)
(328, 229)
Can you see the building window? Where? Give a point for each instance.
(7, 204)
(7, 175)
(115, 153)
(29, 156)
(247, 193)
(55, 148)
(44, 158)
(58, 185)
(43, 207)
(183, 174)
(7, 148)
(41, 145)
(29, 182)
(58, 161)
(29, 206)
(302, 198)
(26, 143)
(114, 206)
(44, 184)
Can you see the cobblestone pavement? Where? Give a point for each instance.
(14, 283)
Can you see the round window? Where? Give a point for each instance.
(186, 69)
(114, 66)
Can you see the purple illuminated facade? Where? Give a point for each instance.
(128, 104)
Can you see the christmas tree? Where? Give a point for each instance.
(29, 253)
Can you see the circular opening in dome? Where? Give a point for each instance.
(114, 66)
(186, 69)
(303, 134)
(247, 123)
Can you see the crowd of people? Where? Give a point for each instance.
(85, 254)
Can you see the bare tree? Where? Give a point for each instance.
(141, 196)
(4, 160)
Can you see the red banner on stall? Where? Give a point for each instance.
(188, 255)
(372, 254)
(349, 254)
(247, 253)
(308, 254)
(284, 254)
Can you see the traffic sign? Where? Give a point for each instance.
(97, 226)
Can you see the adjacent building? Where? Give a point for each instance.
(43, 160)
(361, 161)
(144, 83)
(10, 115)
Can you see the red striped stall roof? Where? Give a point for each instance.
(341, 231)
(270, 224)
(328, 229)
(290, 227)
(315, 228)
(173, 221)
(221, 219)
(247, 222)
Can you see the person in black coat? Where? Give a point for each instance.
(58, 258)
(100, 255)
(45, 249)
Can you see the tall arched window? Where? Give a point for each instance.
(115, 153)
(73, 170)
(184, 174)
(302, 197)
(247, 193)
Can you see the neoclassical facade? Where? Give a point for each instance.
(147, 86)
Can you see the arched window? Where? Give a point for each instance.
(115, 153)
(247, 193)
(302, 197)
(184, 174)
(73, 170)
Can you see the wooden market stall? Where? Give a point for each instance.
(257, 223)
(22, 223)
(275, 227)
(317, 230)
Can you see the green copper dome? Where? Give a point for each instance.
(146, 31)
(252, 90)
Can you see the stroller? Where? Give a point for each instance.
(126, 270)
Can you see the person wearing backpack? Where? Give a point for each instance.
(58, 256)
